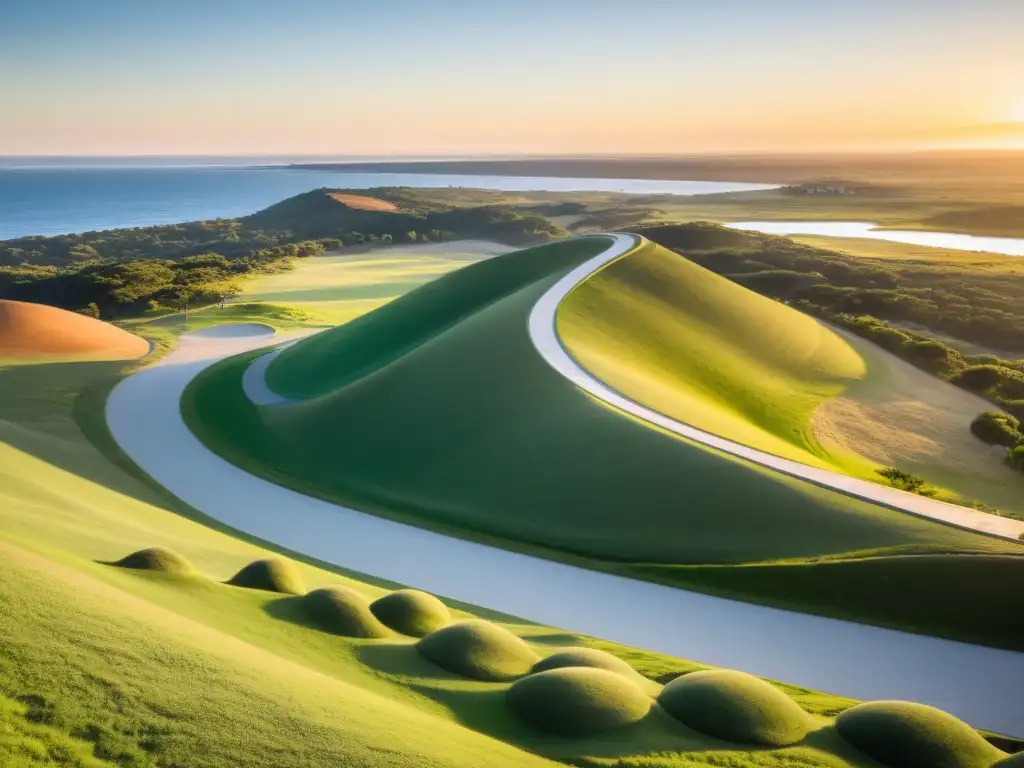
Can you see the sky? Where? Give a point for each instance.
(471, 77)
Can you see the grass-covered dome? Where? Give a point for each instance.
(411, 612)
(480, 650)
(901, 734)
(578, 701)
(342, 611)
(158, 559)
(594, 659)
(735, 706)
(272, 575)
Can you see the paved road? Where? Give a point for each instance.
(545, 339)
(984, 686)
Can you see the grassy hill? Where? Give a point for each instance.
(436, 409)
(686, 342)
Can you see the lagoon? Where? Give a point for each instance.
(1008, 246)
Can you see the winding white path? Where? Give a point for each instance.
(984, 686)
(545, 338)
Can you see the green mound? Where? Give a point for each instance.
(157, 559)
(411, 612)
(478, 649)
(900, 734)
(735, 706)
(342, 611)
(591, 658)
(578, 701)
(332, 359)
(689, 343)
(272, 575)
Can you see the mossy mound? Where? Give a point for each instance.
(735, 706)
(158, 559)
(578, 701)
(411, 612)
(342, 611)
(480, 650)
(901, 734)
(594, 659)
(272, 575)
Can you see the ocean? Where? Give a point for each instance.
(54, 200)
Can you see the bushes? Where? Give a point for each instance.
(997, 428)
(1015, 458)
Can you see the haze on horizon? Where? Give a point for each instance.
(453, 77)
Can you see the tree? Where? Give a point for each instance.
(411, 235)
(386, 239)
(905, 481)
(91, 310)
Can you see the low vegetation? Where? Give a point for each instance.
(158, 559)
(900, 734)
(578, 701)
(734, 706)
(591, 658)
(479, 650)
(271, 575)
(342, 611)
(411, 612)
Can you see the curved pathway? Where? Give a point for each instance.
(984, 686)
(544, 334)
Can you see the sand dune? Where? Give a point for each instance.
(33, 331)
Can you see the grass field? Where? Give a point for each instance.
(489, 443)
(160, 669)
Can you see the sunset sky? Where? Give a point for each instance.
(420, 77)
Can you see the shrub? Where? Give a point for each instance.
(900, 734)
(272, 575)
(905, 481)
(735, 706)
(480, 650)
(594, 659)
(157, 559)
(342, 611)
(1015, 457)
(578, 701)
(411, 612)
(997, 428)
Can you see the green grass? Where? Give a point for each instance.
(411, 612)
(736, 707)
(688, 343)
(478, 649)
(578, 701)
(903, 735)
(159, 670)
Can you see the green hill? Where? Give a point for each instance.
(437, 410)
(688, 343)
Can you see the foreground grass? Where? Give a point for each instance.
(103, 666)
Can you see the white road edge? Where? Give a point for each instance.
(984, 686)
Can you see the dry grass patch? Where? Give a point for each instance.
(362, 202)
